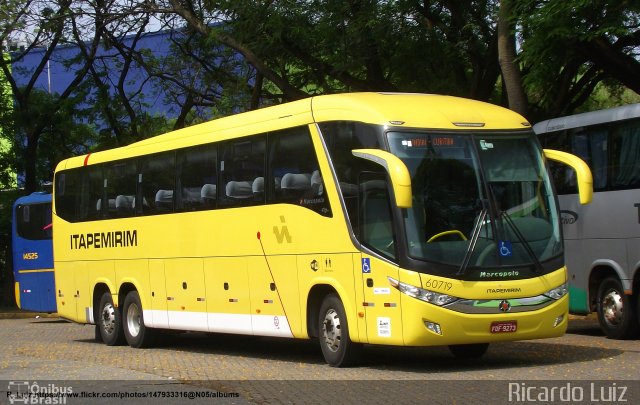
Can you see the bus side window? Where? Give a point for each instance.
(69, 195)
(563, 176)
(376, 222)
(588, 143)
(120, 180)
(197, 178)
(341, 137)
(625, 153)
(92, 205)
(157, 181)
(241, 165)
(294, 170)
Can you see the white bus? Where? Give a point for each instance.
(602, 239)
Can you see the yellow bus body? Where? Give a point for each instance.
(215, 270)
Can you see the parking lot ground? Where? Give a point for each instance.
(254, 370)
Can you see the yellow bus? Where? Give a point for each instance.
(365, 218)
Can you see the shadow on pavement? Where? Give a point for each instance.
(438, 359)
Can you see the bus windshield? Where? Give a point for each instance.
(480, 203)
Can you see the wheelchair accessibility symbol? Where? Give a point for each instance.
(366, 265)
(505, 248)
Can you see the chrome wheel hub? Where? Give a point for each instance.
(612, 308)
(133, 320)
(331, 332)
(109, 318)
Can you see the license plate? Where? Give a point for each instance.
(504, 327)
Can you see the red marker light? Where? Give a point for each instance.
(258, 235)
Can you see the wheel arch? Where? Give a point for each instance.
(99, 289)
(600, 270)
(635, 284)
(125, 288)
(314, 301)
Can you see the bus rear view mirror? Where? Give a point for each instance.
(397, 170)
(583, 173)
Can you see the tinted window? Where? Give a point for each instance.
(294, 171)
(375, 221)
(120, 180)
(197, 180)
(242, 172)
(157, 183)
(612, 151)
(625, 156)
(92, 204)
(68, 192)
(341, 138)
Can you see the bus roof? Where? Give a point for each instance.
(390, 109)
(34, 198)
(590, 118)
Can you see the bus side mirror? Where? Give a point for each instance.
(583, 173)
(397, 170)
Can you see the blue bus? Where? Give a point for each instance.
(33, 254)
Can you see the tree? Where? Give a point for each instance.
(203, 21)
(311, 47)
(570, 47)
(7, 155)
(44, 25)
(507, 57)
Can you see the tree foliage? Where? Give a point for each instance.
(558, 52)
(311, 47)
(41, 25)
(570, 47)
(231, 55)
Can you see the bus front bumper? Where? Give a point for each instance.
(429, 325)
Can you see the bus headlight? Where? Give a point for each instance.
(558, 292)
(431, 297)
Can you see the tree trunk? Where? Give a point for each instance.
(257, 91)
(507, 58)
(30, 159)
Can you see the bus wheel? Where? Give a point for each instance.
(471, 351)
(615, 310)
(109, 322)
(135, 332)
(337, 347)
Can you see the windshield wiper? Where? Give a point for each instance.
(477, 228)
(525, 244)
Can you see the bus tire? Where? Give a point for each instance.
(470, 351)
(109, 321)
(615, 310)
(337, 348)
(135, 332)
